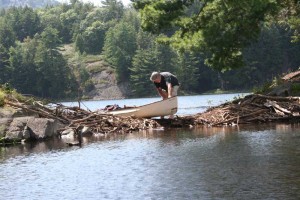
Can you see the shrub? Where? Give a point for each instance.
(2, 97)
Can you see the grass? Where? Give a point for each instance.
(268, 86)
(6, 92)
(295, 89)
(2, 97)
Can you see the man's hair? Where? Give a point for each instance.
(154, 76)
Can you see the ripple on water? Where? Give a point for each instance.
(175, 164)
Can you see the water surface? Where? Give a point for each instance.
(187, 105)
(254, 162)
(259, 161)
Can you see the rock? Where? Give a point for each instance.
(69, 131)
(9, 112)
(108, 87)
(68, 136)
(32, 128)
(4, 124)
(16, 128)
(26, 133)
(281, 90)
(42, 127)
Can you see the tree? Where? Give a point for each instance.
(143, 65)
(25, 22)
(187, 71)
(91, 40)
(68, 20)
(119, 48)
(21, 62)
(51, 66)
(218, 29)
(112, 10)
(7, 39)
(50, 17)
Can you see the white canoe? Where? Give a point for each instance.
(155, 109)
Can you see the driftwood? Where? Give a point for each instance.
(252, 109)
(77, 118)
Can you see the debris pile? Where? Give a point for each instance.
(77, 118)
(254, 108)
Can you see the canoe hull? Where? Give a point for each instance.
(155, 109)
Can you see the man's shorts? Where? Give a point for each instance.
(174, 90)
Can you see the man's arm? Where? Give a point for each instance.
(169, 90)
(163, 94)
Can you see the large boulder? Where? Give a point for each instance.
(42, 128)
(16, 128)
(32, 128)
(4, 124)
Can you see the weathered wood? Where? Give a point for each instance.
(239, 117)
(251, 109)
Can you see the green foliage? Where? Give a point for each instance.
(7, 35)
(268, 86)
(113, 10)
(88, 85)
(295, 26)
(187, 71)
(142, 67)
(7, 91)
(197, 40)
(25, 22)
(2, 97)
(119, 48)
(295, 89)
(219, 29)
(91, 41)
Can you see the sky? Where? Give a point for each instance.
(98, 2)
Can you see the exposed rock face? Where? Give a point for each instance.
(106, 87)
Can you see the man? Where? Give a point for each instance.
(166, 84)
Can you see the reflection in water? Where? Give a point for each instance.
(245, 162)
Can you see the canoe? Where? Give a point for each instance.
(155, 109)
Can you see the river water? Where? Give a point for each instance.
(260, 161)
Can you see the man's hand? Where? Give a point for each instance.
(163, 94)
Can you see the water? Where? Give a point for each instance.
(241, 162)
(187, 105)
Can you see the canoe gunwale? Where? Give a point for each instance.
(136, 109)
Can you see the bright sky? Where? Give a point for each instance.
(98, 2)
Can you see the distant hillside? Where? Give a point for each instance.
(29, 3)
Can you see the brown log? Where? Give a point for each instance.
(35, 111)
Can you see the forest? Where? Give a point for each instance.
(208, 45)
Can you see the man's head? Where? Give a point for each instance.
(155, 77)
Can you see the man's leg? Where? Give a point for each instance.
(174, 93)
